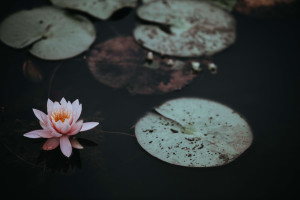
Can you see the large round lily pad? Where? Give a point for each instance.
(54, 33)
(121, 63)
(194, 132)
(100, 9)
(196, 28)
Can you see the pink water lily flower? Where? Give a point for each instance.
(60, 125)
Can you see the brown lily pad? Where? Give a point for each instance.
(121, 63)
(268, 8)
(194, 28)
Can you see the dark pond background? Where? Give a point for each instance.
(258, 76)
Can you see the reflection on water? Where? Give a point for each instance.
(52, 160)
(29, 151)
(55, 161)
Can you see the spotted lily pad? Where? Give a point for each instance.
(194, 132)
(121, 63)
(53, 33)
(194, 28)
(101, 9)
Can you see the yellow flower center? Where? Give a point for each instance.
(61, 115)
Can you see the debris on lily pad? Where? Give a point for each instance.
(121, 63)
(99, 9)
(194, 132)
(225, 4)
(53, 33)
(212, 67)
(196, 66)
(185, 28)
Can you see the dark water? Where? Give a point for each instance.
(258, 76)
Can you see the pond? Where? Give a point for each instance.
(119, 81)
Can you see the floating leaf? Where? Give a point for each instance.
(31, 71)
(121, 63)
(191, 28)
(225, 4)
(54, 33)
(100, 9)
(194, 132)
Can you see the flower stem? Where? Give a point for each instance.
(116, 132)
(52, 78)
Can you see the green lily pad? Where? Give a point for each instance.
(195, 28)
(53, 33)
(194, 132)
(99, 9)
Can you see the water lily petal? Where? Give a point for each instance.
(77, 113)
(62, 127)
(52, 129)
(75, 104)
(66, 127)
(51, 143)
(58, 125)
(88, 125)
(76, 128)
(69, 107)
(55, 134)
(45, 133)
(32, 134)
(67, 121)
(40, 115)
(75, 107)
(39, 134)
(75, 144)
(65, 146)
(49, 106)
(44, 126)
(70, 121)
(63, 102)
(56, 106)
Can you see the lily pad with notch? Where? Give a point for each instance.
(121, 63)
(194, 132)
(53, 33)
(194, 28)
(99, 9)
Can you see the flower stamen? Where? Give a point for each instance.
(60, 114)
